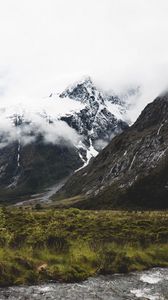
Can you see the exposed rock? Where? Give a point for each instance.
(132, 171)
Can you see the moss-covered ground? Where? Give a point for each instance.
(72, 245)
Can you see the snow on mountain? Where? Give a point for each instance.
(132, 171)
(115, 109)
(100, 119)
(81, 113)
(45, 140)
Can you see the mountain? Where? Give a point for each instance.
(99, 121)
(131, 172)
(43, 143)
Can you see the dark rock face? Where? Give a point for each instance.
(132, 171)
(95, 125)
(154, 113)
(95, 121)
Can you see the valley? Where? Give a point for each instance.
(71, 211)
(83, 150)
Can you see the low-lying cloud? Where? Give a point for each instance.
(119, 43)
(53, 132)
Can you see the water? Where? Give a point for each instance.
(152, 285)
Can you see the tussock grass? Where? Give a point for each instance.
(72, 245)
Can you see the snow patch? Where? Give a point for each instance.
(158, 132)
(125, 153)
(90, 153)
(132, 161)
(115, 109)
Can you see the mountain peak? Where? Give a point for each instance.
(86, 80)
(83, 91)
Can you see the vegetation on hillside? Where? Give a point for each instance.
(39, 245)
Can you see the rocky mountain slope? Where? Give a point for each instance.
(41, 146)
(132, 171)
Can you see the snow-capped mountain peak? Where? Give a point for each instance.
(65, 129)
(84, 91)
(95, 116)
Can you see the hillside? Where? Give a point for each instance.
(131, 172)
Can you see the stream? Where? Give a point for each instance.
(44, 197)
(152, 285)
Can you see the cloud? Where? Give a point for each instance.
(54, 132)
(100, 144)
(46, 44)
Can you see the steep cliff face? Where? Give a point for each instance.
(96, 122)
(132, 171)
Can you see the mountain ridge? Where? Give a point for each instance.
(38, 148)
(122, 174)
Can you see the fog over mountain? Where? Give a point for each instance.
(43, 142)
(48, 44)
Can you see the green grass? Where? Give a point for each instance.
(72, 245)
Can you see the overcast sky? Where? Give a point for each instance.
(117, 42)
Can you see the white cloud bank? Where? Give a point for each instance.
(46, 44)
(38, 120)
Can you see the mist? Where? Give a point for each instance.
(48, 44)
(28, 127)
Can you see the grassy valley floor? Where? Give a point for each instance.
(72, 245)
